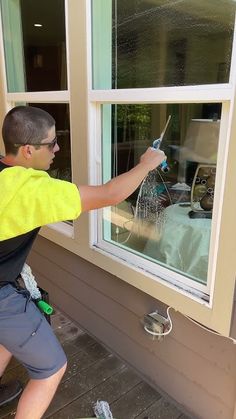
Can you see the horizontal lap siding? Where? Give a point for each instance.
(195, 367)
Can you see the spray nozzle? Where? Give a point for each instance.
(164, 167)
(157, 143)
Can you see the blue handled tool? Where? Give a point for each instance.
(157, 143)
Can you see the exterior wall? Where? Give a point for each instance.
(233, 326)
(233, 321)
(195, 367)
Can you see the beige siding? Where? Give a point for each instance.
(195, 367)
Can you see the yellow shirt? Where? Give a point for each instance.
(31, 198)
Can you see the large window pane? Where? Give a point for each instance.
(162, 42)
(34, 41)
(168, 219)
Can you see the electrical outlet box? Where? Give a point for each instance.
(155, 316)
(155, 324)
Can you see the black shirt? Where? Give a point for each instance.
(14, 251)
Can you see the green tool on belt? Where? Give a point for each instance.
(44, 307)
(32, 286)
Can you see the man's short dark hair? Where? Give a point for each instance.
(25, 125)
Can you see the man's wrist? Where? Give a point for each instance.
(144, 167)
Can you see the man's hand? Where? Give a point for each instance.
(152, 158)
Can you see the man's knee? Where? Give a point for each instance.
(55, 378)
(63, 369)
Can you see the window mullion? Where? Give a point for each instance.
(44, 97)
(190, 94)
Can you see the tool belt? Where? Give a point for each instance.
(17, 283)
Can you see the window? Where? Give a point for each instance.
(34, 40)
(165, 69)
(168, 219)
(35, 57)
(164, 43)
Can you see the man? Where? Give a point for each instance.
(30, 198)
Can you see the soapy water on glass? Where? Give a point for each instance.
(150, 202)
(153, 194)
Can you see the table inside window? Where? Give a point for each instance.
(184, 242)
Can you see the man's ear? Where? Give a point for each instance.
(27, 151)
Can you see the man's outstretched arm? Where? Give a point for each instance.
(120, 187)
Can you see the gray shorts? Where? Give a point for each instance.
(25, 333)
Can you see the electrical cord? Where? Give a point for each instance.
(209, 330)
(193, 321)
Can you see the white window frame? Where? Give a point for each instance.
(82, 238)
(218, 93)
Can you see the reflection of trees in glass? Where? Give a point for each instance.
(136, 126)
(130, 134)
(132, 122)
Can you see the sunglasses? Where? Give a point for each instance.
(50, 144)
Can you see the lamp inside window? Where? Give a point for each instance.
(199, 154)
